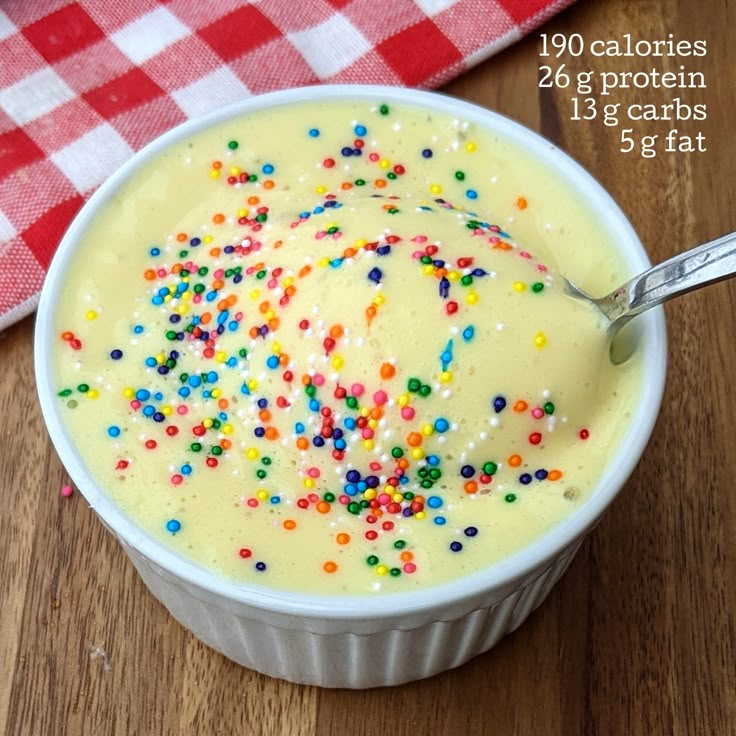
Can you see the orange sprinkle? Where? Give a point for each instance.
(215, 252)
(273, 324)
(302, 443)
(330, 566)
(225, 444)
(149, 274)
(336, 331)
(370, 313)
(306, 379)
(470, 487)
(176, 268)
(283, 359)
(380, 183)
(502, 246)
(264, 415)
(217, 284)
(222, 305)
(406, 556)
(218, 219)
(376, 412)
(289, 524)
(272, 433)
(217, 164)
(253, 332)
(403, 463)
(269, 184)
(346, 185)
(521, 405)
(515, 461)
(440, 273)
(323, 507)
(181, 237)
(232, 299)
(290, 290)
(263, 307)
(343, 538)
(387, 370)
(304, 270)
(67, 335)
(554, 475)
(223, 403)
(521, 203)
(349, 253)
(205, 318)
(253, 200)
(278, 243)
(388, 206)
(414, 439)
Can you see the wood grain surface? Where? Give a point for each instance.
(639, 637)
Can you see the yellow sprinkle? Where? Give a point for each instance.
(215, 393)
(255, 294)
(288, 281)
(93, 393)
(167, 410)
(397, 497)
(369, 494)
(379, 300)
(519, 286)
(360, 243)
(384, 163)
(323, 262)
(182, 308)
(160, 358)
(91, 314)
(420, 515)
(403, 400)
(207, 239)
(252, 384)
(382, 570)
(129, 392)
(309, 482)
(207, 423)
(270, 314)
(276, 347)
(470, 147)
(235, 170)
(417, 453)
(445, 376)
(320, 189)
(242, 212)
(215, 173)
(227, 428)
(168, 298)
(252, 453)
(453, 275)
(368, 444)
(338, 362)
(540, 339)
(472, 298)
(262, 494)
(435, 189)
(365, 411)
(427, 430)
(428, 269)
(220, 356)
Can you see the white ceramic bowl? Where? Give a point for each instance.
(360, 641)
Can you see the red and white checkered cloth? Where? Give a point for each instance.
(85, 84)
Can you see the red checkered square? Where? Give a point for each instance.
(199, 14)
(340, 4)
(62, 33)
(94, 66)
(123, 93)
(371, 68)
(112, 15)
(182, 63)
(6, 122)
(25, 196)
(239, 32)
(26, 59)
(17, 150)
(21, 276)
(375, 25)
(310, 14)
(279, 66)
(419, 52)
(142, 125)
(63, 125)
(523, 10)
(23, 12)
(43, 236)
(470, 30)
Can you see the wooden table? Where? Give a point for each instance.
(638, 637)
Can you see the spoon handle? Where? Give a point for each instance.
(706, 264)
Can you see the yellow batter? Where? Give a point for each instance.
(304, 349)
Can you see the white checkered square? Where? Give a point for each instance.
(432, 7)
(149, 35)
(7, 28)
(7, 231)
(35, 95)
(221, 87)
(330, 46)
(89, 160)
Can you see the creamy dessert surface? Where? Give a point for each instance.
(325, 348)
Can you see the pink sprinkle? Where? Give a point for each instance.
(380, 397)
(373, 157)
(524, 254)
(409, 568)
(419, 239)
(313, 472)
(537, 413)
(66, 491)
(272, 283)
(197, 298)
(367, 433)
(344, 500)
(357, 389)
(161, 272)
(219, 273)
(384, 499)
(318, 379)
(407, 413)
(176, 479)
(541, 268)
(135, 404)
(374, 466)
(494, 240)
(252, 502)
(181, 409)
(320, 234)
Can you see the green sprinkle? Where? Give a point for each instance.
(549, 408)
(329, 497)
(397, 452)
(261, 473)
(537, 287)
(510, 497)
(353, 507)
(400, 543)
(360, 182)
(266, 460)
(490, 468)
(459, 175)
(65, 392)
(394, 572)
(413, 385)
(425, 389)
(195, 447)
(216, 450)
(383, 109)
(372, 560)
(83, 388)
(232, 145)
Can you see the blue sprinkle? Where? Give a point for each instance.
(375, 275)
(340, 444)
(314, 405)
(499, 404)
(467, 471)
(440, 520)
(468, 333)
(540, 474)
(273, 361)
(186, 469)
(262, 403)
(456, 546)
(347, 151)
(113, 431)
(155, 251)
(194, 242)
(194, 381)
(471, 531)
(525, 479)
(434, 502)
(471, 194)
(427, 153)
(299, 428)
(275, 499)
(318, 441)
(432, 460)
(349, 423)
(267, 169)
(259, 431)
(138, 329)
(148, 410)
(441, 424)
(184, 392)
(151, 362)
(352, 476)
(360, 130)
(212, 377)
(143, 394)
(173, 526)
(260, 566)
(157, 300)
(444, 287)
(313, 133)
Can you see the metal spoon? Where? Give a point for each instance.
(706, 264)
